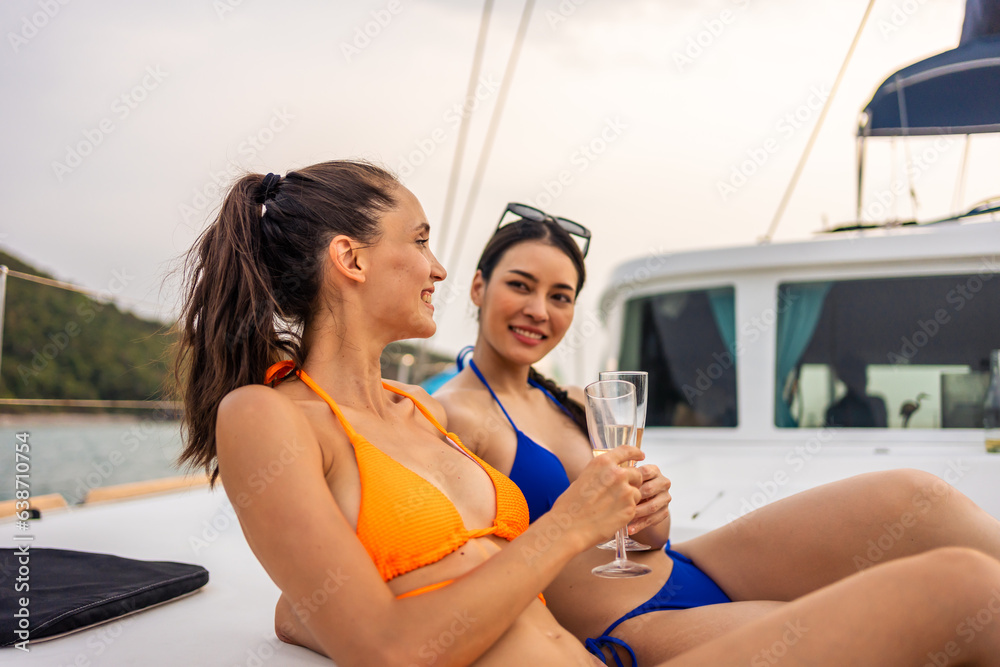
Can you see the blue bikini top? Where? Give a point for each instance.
(538, 472)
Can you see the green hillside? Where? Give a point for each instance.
(59, 344)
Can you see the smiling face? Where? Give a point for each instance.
(403, 271)
(527, 306)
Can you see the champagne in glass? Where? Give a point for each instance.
(639, 380)
(611, 423)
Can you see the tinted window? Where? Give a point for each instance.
(684, 340)
(889, 353)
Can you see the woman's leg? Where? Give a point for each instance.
(799, 544)
(660, 635)
(939, 608)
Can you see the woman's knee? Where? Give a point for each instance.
(961, 570)
(914, 491)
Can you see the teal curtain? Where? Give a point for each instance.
(723, 303)
(799, 308)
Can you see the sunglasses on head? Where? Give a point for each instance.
(537, 215)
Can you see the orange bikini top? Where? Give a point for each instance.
(405, 522)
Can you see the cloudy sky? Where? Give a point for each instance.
(635, 118)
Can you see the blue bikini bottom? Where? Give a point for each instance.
(686, 587)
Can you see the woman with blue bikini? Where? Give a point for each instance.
(525, 287)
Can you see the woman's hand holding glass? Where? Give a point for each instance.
(654, 508)
(603, 498)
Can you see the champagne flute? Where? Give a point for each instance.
(639, 380)
(611, 423)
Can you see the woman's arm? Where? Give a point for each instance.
(271, 465)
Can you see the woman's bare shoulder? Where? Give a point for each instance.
(256, 422)
(254, 406)
(464, 398)
(254, 396)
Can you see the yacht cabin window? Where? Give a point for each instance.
(685, 341)
(886, 353)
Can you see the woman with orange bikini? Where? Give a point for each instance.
(344, 482)
(353, 485)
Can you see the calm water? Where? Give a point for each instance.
(73, 454)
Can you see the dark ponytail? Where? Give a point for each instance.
(576, 411)
(253, 277)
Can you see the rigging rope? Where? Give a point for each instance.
(905, 126)
(102, 296)
(956, 201)
(463, 129)
(491, 132)
(819, 123)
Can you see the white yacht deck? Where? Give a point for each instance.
(230, 620)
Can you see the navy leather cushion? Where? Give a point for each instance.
(72, 590)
